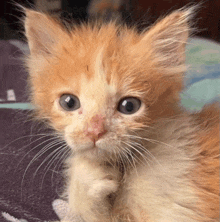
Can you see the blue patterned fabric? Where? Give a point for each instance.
(202, 79)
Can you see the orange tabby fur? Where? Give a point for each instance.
(101, 64)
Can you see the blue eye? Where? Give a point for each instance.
(69, 102)
(129, 105)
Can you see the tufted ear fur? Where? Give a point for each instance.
(162, 50)
(166, 41)
(42, 32)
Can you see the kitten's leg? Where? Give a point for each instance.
(89, 189)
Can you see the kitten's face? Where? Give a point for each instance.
(99, 86)
(90, 98)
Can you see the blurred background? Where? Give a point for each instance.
(207, 19)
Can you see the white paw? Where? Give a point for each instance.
(102, 188)
(94, 180)
(63, 211)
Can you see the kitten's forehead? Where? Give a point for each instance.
(102, 76)
(95, 89)
(96, 57)
(99, 70)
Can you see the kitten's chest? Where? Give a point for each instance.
(159, 184)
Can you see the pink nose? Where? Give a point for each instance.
(95, 128)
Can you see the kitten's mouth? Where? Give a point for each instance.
(94, 151)
(91, 150)
(88, 148)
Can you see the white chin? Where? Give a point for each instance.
(95, 152)
(101, 150)
(86, 149)
(78, 148)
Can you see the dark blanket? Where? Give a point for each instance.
(27, 188)
(26, 192)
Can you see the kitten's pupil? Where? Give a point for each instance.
(69, 102)
(129, 105)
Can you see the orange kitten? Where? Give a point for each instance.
(113, 95)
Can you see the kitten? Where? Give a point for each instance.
(113, 95)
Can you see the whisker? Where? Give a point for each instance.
(141, 154)
(65, 155)
(45, 141)
(146, 151)
(40, 153)
(149, 154)
(128, 151)
(53, 159)
(149, 140)
(49, 155)
(122, 161)
(22, 137)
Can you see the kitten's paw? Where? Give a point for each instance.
(94, 180)
(102, 188)
(63, 211)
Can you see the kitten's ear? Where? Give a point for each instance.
(166, 40)
(42, 32)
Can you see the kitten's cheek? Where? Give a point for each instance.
(70, 143)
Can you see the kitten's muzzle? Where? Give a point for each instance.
(96, 128)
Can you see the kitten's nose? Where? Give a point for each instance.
(96, 128)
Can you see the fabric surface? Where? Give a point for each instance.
(202, 79)
(25, 192)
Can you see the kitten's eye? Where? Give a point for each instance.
(129, 105)
(69, 102)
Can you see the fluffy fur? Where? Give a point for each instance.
(158, 164)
